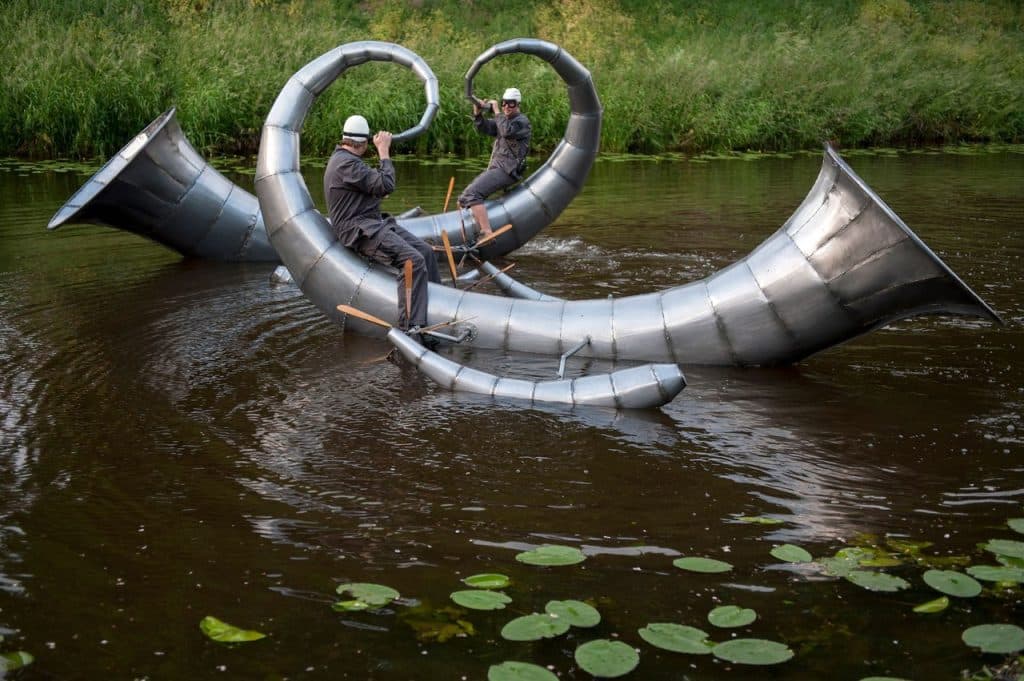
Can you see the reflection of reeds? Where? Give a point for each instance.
(81, 78)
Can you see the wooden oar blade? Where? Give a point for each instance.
(451, 186)
(451, 258)
(493, 235)
(365, 316)
(408, 292)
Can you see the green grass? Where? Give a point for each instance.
(80, 78)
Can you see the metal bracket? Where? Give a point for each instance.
(579, 346)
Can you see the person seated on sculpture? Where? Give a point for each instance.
(511, 129)
(354, 192)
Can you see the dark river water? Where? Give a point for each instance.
(181, 439)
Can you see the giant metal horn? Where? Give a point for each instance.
(843, 265)
(160, 187)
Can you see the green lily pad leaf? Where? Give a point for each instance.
(752, 651)
(488, 580)
(350, 606)
(938, 605)
(846, 560)
(373, 595)
(519, 671)
(606, 659)
(995, 638)
(552, 555)
(677, 638)
(697, 564)
(728, 616)
(907, 546)
(881, 562)
(534, 627)
(877, 581)
(1016, 524)
(476, 599)
(11, 661)
(759, 520)
(576, 613)
(223, 632)
(791, 553)
(952, 583)
(1009, 561)
(997, 573)
(1006, 547)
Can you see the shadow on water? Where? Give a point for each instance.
(181, 438)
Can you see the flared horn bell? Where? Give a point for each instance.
(158, 186)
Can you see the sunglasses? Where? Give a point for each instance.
(509, 102)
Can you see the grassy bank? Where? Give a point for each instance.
(81, 77)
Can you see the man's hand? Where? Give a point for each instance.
(382, 140)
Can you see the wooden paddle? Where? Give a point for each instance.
(487, 278)
(451, 259)
(366, 316)
(492, 236)
(451, 186)
(408, 291)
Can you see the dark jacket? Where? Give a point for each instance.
(353, 191)
(512, 143)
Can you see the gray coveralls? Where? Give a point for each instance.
(354, 191)
(508, 156)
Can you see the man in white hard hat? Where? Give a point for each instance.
(511, 129)
(354, 191)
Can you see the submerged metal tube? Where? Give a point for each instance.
(642, 387)
(160, 187)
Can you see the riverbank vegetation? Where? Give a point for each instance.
(82, 77)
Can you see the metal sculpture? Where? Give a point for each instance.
(160, 187)
(842, 265)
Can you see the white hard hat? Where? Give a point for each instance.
(356, 127)
(512, 93)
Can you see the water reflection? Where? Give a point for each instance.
(184, 433)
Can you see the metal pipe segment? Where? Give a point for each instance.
(642, 387)
(159, 186)
(842, 265)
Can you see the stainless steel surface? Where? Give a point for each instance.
(642, 387)
(855, 266)
(131, 191)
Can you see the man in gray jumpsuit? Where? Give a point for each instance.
(511, 130)
(354, 191)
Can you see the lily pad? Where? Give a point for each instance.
(1016, 524)
(729, 616)
(476, 599)
(995, 638)
(931, 607)
(996, 573)
(552, 555)
(677, 638)
(752, 651)
(791, 553)
(881, 562)
(952, 583)
(222, 632)
(759, 520)
(697, 564)
(11, 661)
(365, 596)
(519, 671)
(534, 627)
(1010, 561)
(877, 581)
(606, 659)
(1006, 547)
(576, 613)
(487, 580)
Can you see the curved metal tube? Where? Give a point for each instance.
(506, 284)
(841, 266)
(642, 387)
(160, 187)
